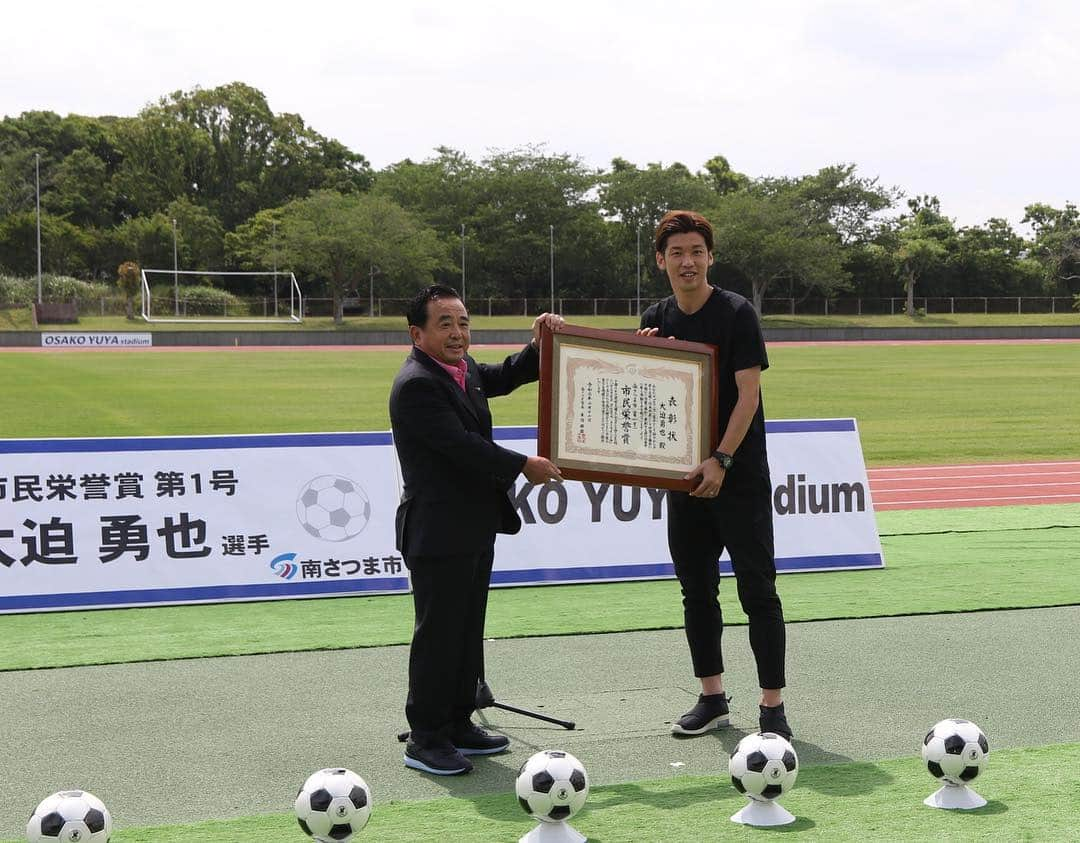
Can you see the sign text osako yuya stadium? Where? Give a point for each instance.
(74, 339)
(159, 520)
(549, 503)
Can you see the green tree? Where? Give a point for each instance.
(200, 236)
(508, 203)
(991, 260)
(340, 239)
(925, 238)
(64, 246)
(765, 238)
(17, 189)
(129, 281)
(81, 190)
(1056, 243)
(721, 178)
(224, 149)
(146, 240)
(443, 191)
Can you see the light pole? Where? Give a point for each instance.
(37, 193)
(463, 264)
(273, 239)
(639, 272)
(551, 231)
(175, 276)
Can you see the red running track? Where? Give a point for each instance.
(949, 486)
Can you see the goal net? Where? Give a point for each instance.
(207, 296)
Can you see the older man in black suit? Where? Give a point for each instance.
(455, 500)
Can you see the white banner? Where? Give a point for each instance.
(128, 522)
(582, 532)
(91, 523)
(75, 339)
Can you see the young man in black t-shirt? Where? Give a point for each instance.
(731, 506)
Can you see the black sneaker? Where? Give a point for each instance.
(711, 712)
(472, 740)
(772, 719)
(438, 758)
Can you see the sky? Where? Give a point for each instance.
(975, 102)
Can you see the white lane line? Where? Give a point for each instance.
(879, 491)
(882, 504)
(974, 466)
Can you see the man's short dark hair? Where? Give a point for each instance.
(418, 308)
(683, 222)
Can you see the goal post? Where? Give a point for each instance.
(185, 295)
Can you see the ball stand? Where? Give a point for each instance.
(954, 797)
(763, 814)
(558, 832)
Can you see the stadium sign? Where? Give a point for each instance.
(73, 339)
(91, 523)
(823, 515)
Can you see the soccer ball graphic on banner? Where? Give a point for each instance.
(552, 786)
(333, 508)
(333, 805)
(955, 751)
(73, 816)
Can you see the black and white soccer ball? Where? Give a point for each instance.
(955, 751)
(333, 805)
(763, 766)
(552, 786)
(72, 816)
(333, 508)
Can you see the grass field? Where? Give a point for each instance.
(914, 403)
(843, 802)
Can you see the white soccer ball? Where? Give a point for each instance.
(73, 816)
(552, 786)
(333, 805)
(763, 766)
(955, 751)
(333, 508)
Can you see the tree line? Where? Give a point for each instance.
(240, 187)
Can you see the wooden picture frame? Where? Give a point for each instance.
(616, 407)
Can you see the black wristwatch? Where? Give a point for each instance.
(726, 460)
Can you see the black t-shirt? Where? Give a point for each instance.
(728, 321)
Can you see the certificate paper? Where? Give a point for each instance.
(615, 406)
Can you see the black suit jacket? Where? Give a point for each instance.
(456, 478)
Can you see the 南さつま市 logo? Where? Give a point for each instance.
(284, 566)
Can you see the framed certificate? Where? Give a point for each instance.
(620, 408)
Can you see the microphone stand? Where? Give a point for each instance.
(486, 699)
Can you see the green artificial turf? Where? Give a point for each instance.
(915, 403)
(1031, 794)
(936, 561)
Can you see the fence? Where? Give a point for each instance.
(769, 306)
(895, 305)
(264, 306)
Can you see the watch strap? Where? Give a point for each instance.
(725, 460)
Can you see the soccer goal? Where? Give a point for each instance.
(184, 295)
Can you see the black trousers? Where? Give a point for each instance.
(446, 658)
(699, 529)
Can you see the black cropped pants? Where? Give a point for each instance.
(699, 530)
